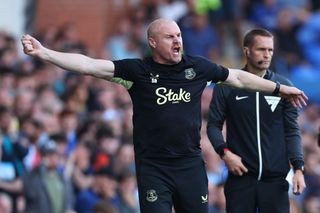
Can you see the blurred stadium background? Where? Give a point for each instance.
(90, 120)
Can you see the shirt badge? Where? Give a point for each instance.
(151, 195)
(273, 101)
(189, 73)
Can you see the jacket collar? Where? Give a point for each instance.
(267, 75)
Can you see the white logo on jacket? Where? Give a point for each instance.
(238, 98)
(273, 101)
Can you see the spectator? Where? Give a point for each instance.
(200, 38)
(104, 207)
(103, 187)
(128, 193)
(12, 153)
(43, 188)
(264, 14)
(33, 135)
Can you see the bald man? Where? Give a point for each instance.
(166, 94)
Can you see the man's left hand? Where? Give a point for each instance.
(298, 182)
(296, 96)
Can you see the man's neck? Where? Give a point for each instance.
(255, 71)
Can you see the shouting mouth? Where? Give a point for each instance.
(176, 50)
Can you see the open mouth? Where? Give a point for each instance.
(176, 50)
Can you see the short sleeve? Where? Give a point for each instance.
(221, 73)
(214, 72)
(126, 69)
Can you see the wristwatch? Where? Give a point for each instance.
(299, 168)
(277, 89)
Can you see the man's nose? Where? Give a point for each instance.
(267, 54)
(176, 39)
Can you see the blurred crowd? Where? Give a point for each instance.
(68, 137)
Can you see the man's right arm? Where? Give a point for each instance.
(69, 61)
(217, 116)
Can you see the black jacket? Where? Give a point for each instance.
(261, 128)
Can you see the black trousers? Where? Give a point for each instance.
(180, 183)
(248, 195)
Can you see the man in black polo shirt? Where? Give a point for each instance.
(165, 91)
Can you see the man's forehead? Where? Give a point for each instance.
(262, 41)
(263, 38)
(164, 26)
(169, 28)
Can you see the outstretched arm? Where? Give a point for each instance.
(246, 80)
(68, 61)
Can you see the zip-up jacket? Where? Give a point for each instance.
(261, 128)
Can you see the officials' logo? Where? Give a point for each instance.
(204, 198)
(151, 195)
(238, 98)
(189, 73)
(154, 78)
(273, 101)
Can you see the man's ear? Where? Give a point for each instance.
(152, 42)
(246, 51)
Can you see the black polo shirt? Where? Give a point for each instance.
(167, 103)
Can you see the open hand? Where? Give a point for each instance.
(296, 96)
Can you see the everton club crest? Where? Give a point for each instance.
(151, 195)
(189, 73)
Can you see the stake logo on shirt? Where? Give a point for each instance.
(166, 95)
